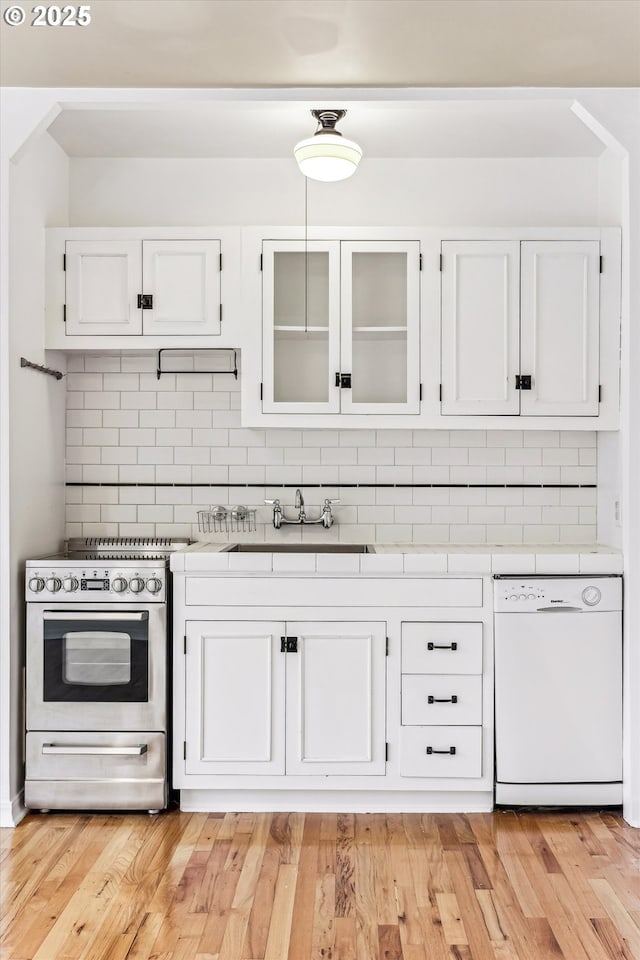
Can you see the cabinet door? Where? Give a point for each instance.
(183, 277)
(336, 699)
(301, 344)
(235, 698)
(380, 325)
(559, 327)
(103, 280)
(480, 320)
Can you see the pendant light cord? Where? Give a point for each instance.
(306, 255)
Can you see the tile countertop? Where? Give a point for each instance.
(414, 558)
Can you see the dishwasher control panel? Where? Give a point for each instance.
(546, 594)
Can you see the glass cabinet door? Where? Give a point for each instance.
(380, 315)
(301, 341)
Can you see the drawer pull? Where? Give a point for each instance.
(442, 646)
(452, 699)
(450, 752)
(90, 750)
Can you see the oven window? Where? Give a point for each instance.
(95, 662)
(96, 658)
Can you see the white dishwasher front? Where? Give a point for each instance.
(558, 690)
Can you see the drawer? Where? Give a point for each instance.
(441, 647)
(95, 756)
(457, 752)
(451, 699)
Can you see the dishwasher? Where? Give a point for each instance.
(558, 690)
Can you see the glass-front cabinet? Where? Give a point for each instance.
(341, 327)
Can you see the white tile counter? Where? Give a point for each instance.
(398, 559)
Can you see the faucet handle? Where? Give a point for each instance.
(274, 503)
(328, 502)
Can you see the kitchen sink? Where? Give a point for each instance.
(300, 548)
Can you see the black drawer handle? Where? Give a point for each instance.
(442, 646)
(452, 699)
(450, 752)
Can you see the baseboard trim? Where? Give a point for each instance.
(332, 801)
(12, 811)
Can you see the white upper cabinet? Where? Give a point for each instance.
(102, 287)
(480, 306)
(340, 327)
(144, 287)
(132, 287)
(520, 328)
(559, 327)
(380, 326)
(301, 332)
(182, 277)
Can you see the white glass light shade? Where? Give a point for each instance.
(327, 156)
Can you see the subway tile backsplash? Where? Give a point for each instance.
(125, 426)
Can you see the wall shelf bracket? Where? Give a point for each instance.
(230, 351)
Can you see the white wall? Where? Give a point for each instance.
(491, 192)
(38, 198)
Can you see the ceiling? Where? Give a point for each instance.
(334, 43)
(458, 128)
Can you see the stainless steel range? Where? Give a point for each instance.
(97, 657)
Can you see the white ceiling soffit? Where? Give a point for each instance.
(340, 43)
(383, 129)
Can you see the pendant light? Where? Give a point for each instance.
(327, 155)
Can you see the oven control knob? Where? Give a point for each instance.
(54, 584)
(136, 584)
(119, 584)
(36, 584)
(69, 584)
(154, 585)
(591, 596)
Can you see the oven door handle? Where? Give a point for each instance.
(90, 750)
(101, 615)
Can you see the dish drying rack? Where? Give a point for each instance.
(222, 520)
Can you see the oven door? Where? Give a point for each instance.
(91, 669)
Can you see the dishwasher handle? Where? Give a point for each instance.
(559, 610)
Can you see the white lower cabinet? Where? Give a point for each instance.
(269, 697)
(441, 732)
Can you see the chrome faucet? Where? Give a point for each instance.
(326, 517)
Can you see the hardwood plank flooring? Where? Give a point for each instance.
(500, 886)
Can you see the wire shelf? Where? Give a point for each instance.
(222, 520)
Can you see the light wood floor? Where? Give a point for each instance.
(321, 887)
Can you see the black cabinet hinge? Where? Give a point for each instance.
(220, 263)
(145, 301)
(420, 391)
(64, 261)
(288, 644)
(64, 313)
(261, 261)
(440, 263)
(184, 749)
(523, 381)
(386, 648)
(261, 390)
(185, 644)
(601, 265)
(440, 392)
(420, 261)
(599, 393)
(386, 751)
(220, 313)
